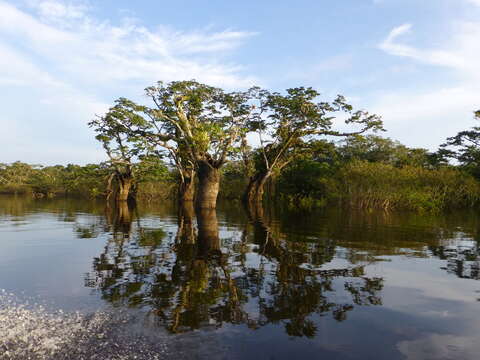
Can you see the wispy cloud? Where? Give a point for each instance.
(130, 51)
(51, 9)
(429, 56)
(65, 65)
(440, 110)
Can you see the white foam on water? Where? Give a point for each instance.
(29, 331)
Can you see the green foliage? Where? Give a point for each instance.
(465, 148)
(233, 180)
(289, 125)
(378, 185)
(153, 169)
(47, 180)
(195, 122)
(374, 148)
(15, 177)
(88, 181)
(305, 178)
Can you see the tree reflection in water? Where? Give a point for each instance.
(196, 280)
(462, 257)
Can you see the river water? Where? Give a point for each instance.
(160, 281)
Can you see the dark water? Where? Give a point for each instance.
(267, 284)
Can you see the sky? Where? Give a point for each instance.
(414, 62)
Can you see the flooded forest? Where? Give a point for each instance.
(241, 225)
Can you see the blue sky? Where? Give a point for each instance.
(415, 62)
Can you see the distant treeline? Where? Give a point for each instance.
(153, 180)
(360, 171)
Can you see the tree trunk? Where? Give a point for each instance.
(109, 186)
(255, 188)
(208, 239)
(208, 185)
(186, 190)
(124, 185)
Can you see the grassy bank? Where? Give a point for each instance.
(306, 183)
(363, 184)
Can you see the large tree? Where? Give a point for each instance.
(287, 123)
(201, 125)
(121, 146)
(141, 124)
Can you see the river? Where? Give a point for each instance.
(81, 280)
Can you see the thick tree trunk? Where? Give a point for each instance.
(208, 239)
(255, 188)
(124, 185)
(186, 190)
(208, 185)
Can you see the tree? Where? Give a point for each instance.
(373, 148)
(121, 146)
(287, 124)
(199, 125)
(466, 148)
(205, 123)
(47, 181)
(16, 176)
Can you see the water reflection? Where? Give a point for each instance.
(339, 282)
(253, 276)
(462, 257)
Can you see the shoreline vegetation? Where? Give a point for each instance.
(358, 184)
(193, 143)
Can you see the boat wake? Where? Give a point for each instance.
(30, 331)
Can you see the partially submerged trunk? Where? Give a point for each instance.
(255, 188)
(186, 189)
(109, 186)
(124, 185)
(208, 185)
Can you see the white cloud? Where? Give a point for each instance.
(426, 117)
(55, 9)
(63, 66)
(101, 51)
(429, 56)
(474, 2)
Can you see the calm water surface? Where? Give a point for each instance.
(267, 284)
